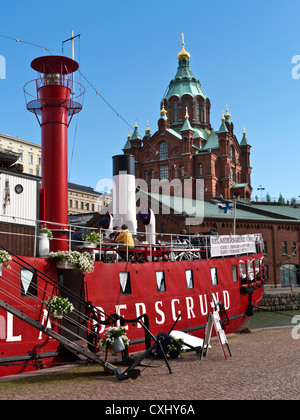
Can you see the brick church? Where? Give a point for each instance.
(186, 147)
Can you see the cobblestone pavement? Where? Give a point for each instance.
(265, 364)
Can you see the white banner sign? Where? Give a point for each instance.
(232, 245)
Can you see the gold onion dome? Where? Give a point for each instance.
(227, 115)
(163, 110)
(183, 53)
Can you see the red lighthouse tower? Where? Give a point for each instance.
(54, 105)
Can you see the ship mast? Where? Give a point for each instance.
(72, 47)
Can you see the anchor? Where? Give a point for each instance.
(131, 372)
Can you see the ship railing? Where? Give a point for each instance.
(168, 247)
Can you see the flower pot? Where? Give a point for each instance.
(44, 245)
(89, 245)
(118, 345)
(65, 265)
(60, 316)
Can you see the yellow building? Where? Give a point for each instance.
(81, 199)
(30, 153)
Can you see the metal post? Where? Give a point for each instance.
(234, 216)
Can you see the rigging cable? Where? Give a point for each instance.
(28, 43)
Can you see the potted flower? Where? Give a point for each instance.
(172, 346)
(45, 236)
(73, 260)
(115, 338)
(4, 258)
(92, 238)
(46, 231)
(58, 306)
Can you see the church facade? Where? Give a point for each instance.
(185, 146)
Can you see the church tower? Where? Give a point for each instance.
(186, 147)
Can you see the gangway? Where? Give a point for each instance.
(70, 345)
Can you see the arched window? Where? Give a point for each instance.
(200, 169)
(163, 151)
(232, 175)
(204, 112)
(186, 107)
(232, 154)
(175, 111)
(198, 111)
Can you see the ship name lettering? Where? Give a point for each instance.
(160, 312)
(190, 307)
(174, 314)
(10, 337)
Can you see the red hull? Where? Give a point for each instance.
(19, 342)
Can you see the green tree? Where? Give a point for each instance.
(268, 198)
(281, 200)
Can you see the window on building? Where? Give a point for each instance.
(265, 247)
(204, 112)
(232, 153)
(182, 171)
(175, 171)
(198, 111)
(21, 156)
(232, 175)
(87, 206)
(186, 107)
(266, 271)
(164, 172)
(200, 169)
(76, 204)
(93, 207)
(163, 151)
(175, 111)
(288, 274)
(38, 172)
(31, 171)
(82, 205)
(30, 158)
(146, 176)
(70, 203)
(294, 248)
(284, 248)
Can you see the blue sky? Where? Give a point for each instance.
(241, 52)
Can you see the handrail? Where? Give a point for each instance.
(171, 243)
